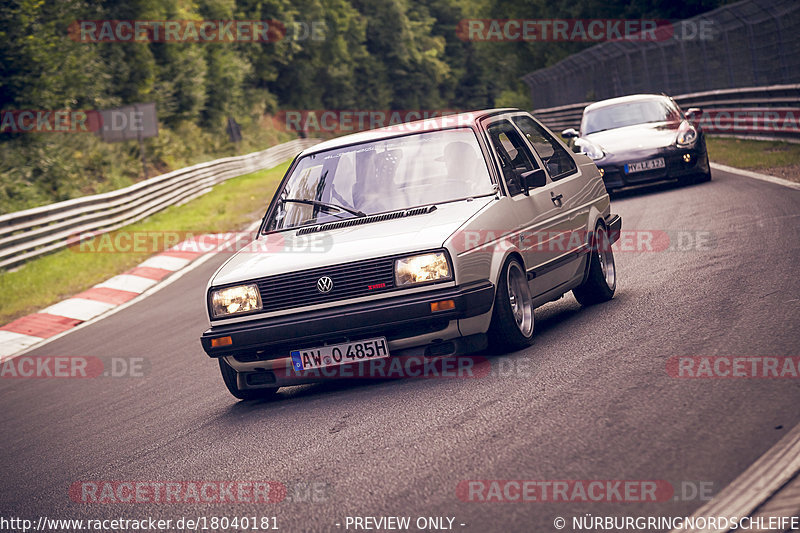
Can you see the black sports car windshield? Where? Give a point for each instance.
(627, 114)
(380, 176)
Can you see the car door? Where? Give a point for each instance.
(538, 219)
(570, 191)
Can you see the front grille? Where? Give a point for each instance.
(350, 280)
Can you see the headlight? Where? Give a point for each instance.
(686, 134)
(590, 149)
(235, 300)
(421, 268)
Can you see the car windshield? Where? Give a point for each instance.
(380, 176)
(627, 114)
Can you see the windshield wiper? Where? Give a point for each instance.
(325, 205)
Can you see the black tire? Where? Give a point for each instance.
(601, 282)
(229, 377)
(512, 324)
(705, 176)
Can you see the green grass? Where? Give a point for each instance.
(42, 168)
(778, 158)
(230, 206)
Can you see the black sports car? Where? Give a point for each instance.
(643, 138)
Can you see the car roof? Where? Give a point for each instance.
(626, 99)
(467, 119)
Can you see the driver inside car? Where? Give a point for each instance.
(462, 164)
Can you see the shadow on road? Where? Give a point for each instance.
(562, 317)
(652, 188)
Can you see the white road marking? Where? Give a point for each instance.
(160, 285)
(128, 282)
(756, 175)
(12, 342)
(163, 283)
(757, 484)
(166, 262)
(78, 308)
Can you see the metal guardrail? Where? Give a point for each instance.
(771, 113)
(27, 234)
(750, 43)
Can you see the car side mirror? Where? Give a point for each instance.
(569, 133)
(693, 113)
(532, 179)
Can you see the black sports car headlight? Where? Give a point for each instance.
(589, 148)
(687, 135)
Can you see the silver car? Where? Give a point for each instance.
(423, 240)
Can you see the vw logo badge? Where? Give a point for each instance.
(324, 284)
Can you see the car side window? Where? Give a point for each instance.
(557, 160)
(515, 158)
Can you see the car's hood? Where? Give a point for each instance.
(636, 137)
(287, 251)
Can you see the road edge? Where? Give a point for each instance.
(74, 324)
(755, 175)
(761, 481)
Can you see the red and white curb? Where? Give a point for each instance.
(113, 294)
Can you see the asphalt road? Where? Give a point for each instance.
(590, 400)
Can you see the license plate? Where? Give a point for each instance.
(340, 354)
(641, 166)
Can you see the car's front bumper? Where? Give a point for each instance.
(675, 166)
(614, 227)
(398, 319)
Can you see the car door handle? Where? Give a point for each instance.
(556, 199)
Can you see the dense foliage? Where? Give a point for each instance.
(375, 54)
